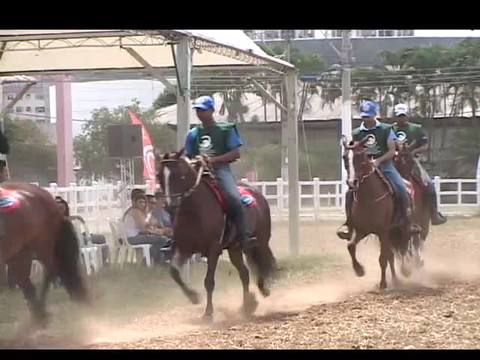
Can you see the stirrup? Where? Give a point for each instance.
(342, 234)
(438, 219)
(249, 242)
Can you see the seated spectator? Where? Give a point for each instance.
(132, 195)
(157, 215)
(139, 231)
(81, 228)
(161, 212)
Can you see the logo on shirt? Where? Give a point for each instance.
(205, 145)
(371, 141)
(401, 136)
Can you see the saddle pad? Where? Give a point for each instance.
(246, 196)
(248, 199)
(8, 202)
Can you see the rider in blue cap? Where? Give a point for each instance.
(221, 142)
(381, 147)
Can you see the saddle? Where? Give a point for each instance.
(247, 198)
(397, 211)
(248, 201)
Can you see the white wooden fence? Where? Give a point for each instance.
(318, 199)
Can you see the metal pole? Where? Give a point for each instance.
(346, 97)
(184, 64)
(293, 185)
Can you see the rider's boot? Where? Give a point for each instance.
(435, 215)
(407, 215)
(247, 242)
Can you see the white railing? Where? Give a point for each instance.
(318, 199)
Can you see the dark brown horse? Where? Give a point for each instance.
(200, 226)
(372, 210)
(405, 163)
(31, 223)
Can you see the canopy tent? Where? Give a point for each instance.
(207, 59)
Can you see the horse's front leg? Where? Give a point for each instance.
(383, 260)
(176, 265)
(352, 248)
(209, 282)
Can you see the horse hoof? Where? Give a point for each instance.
(41, 320)
(250, 304)
(193, 297)
(405, 271)
(207, 318)
(419, 263)
(359, 270)
(264, 291)
(382, 286)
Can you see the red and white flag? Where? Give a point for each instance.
(149, 172)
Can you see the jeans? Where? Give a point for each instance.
(157, 241)
(151, 239)
(389, 170)
(228, 185)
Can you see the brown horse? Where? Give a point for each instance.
(372, 211)
(31, 223)
(405, 162)
(200, 226)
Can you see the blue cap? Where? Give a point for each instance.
(368, 109)
(204, 103)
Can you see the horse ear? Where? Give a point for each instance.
(179, 153)
(157, 154)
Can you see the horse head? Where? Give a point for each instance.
(356, 161)
(404, 160)
(176, 175)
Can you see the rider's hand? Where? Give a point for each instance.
(375, 162)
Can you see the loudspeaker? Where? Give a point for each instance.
(125, 141)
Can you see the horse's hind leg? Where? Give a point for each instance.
(352, 249)
(176, 265)
(249, 302)
(20, 267)
(391, 262)
(209, 282)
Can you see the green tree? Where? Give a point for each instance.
(166, 98)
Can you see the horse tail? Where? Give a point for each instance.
(261, 257)
(399, 239)
(68, 255)
(262, 261)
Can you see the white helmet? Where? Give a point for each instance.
(400, 109)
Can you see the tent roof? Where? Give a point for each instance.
(77, 52)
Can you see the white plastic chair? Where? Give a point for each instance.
(130, 249)
(90, 255)
(116, 246)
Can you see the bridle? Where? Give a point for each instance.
(362, 179)
(200, 172)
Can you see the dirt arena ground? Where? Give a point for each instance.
(317, 305)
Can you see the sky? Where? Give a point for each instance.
(87, 97)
